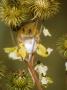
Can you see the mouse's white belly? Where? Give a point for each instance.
(30, 45)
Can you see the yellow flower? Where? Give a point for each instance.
(8, 50)
(41, 50)
(18, 52)
(22, 51)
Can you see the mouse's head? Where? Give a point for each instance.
(28, 30)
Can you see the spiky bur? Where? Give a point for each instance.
(13, 12)
(20, 81)
(62, 45)
(44, 9)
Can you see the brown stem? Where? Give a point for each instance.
(37, 82)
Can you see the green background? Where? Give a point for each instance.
(57, 26)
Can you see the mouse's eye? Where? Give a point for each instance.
(29, 31)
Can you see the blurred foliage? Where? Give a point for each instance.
(2, 70)
(62, 45)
